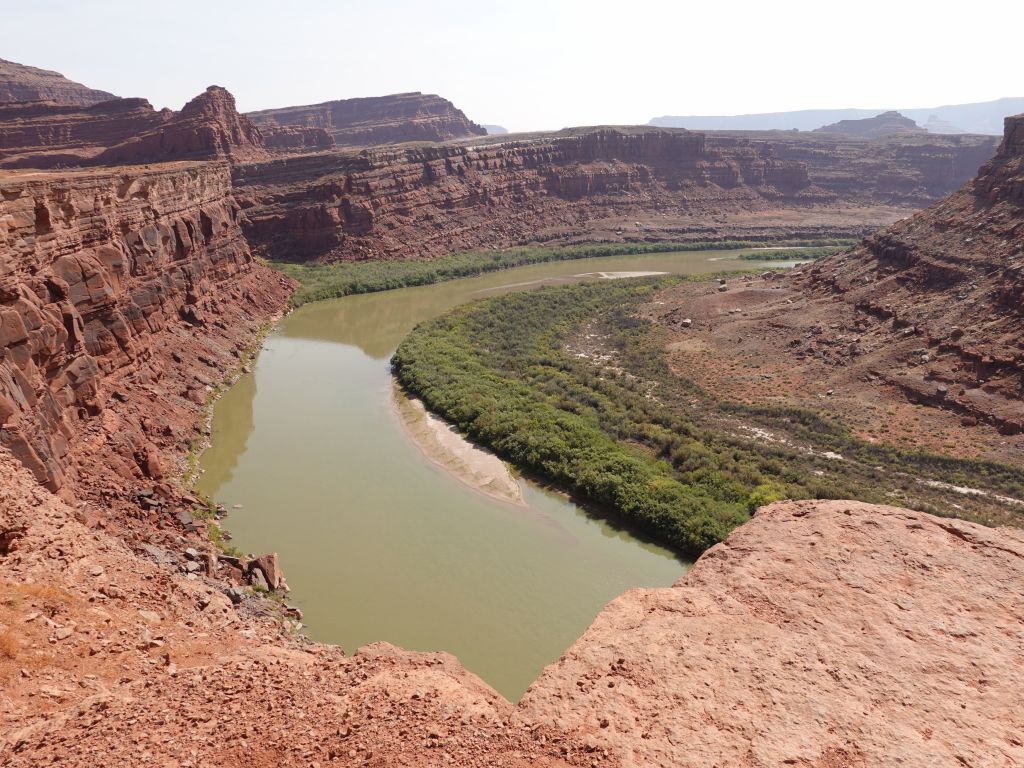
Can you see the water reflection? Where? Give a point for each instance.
(231, 429)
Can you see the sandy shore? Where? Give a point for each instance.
(442, 444)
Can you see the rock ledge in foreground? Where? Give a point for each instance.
(819, 634)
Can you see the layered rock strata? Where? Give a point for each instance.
(110, 282)
(590, 184)
(19, 82)
(946, 288)
(376, 120)
(208, 127)
(48, 135)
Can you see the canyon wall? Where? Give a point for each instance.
(48, 135)
(22, 83)
(376, 120)
(945, 290)
(591, 184)
(98, 273)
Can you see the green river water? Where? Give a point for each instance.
(378, 542)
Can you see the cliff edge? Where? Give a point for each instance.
(827, 633)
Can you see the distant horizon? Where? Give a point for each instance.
(527, 66)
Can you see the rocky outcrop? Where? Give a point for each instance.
(47, 135)
(208, 127)
(885, 124)
(945, 288)
(19, 82)
(600, 184)
(818, 634)
(98, 273)
(377, 120)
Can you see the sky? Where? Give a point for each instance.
(533, 64)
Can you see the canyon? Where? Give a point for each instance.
(108, 282)
(818, 634)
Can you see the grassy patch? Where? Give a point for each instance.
(331, 281)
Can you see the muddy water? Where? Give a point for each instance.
(378, 542)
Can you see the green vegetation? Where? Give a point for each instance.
(332, 281)
(792, 254)
(568, 384)
(214, 532)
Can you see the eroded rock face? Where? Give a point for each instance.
(818, 634)
(590, 184)
(50, 135)
(208, 127)
(947, 286)
(376, 120)
(290, 138)
(19, 82)
(94, 268)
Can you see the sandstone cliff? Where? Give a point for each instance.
(99, 273)
(48, 135)
(590, 184)
(208, 127)
(946, 287)
(19, 82)
(376, 120)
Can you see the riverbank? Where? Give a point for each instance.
(318, 282)
(572, 384)
(442, 445)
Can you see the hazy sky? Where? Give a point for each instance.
(533, 64)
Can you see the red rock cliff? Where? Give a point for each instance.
(19, 82)
(944, 292)
(98, 271)
(207, 127)
(377, 120)
(582, 184)
(47, 135)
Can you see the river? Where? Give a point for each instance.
(380, 543)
